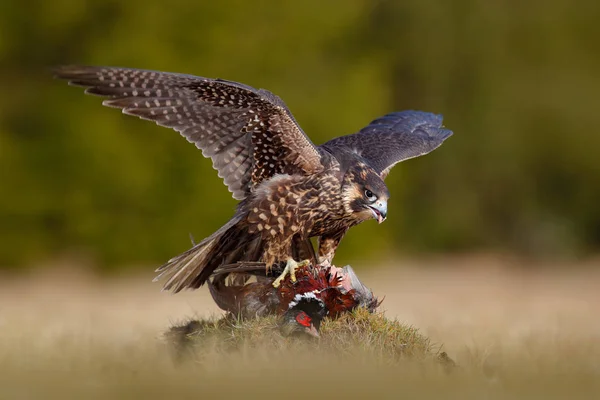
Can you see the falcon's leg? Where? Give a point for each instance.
(328, 244)
(290, 268)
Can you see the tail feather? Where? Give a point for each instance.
(192, 268)
(249, 267)
(179, 269)
(229, 245)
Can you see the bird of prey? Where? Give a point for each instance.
(289, 188)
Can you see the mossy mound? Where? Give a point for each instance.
(359, 334)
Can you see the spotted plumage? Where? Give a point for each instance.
(290, 189)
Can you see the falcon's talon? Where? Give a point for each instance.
(290, 268)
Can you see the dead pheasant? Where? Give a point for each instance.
(317, 292)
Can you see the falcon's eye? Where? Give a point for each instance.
(370, 196)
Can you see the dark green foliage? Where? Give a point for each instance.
(516, 81)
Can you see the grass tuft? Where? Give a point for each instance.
(356, 335)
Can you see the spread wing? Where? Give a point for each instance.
(393, 138)
(249, 134)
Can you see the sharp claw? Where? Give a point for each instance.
(281, 277)
(290, 268)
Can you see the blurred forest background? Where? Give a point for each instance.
(517, 82)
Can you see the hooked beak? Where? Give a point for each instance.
(379, 209)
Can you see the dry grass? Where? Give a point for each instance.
(514, 334)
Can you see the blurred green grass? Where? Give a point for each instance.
(517, 83)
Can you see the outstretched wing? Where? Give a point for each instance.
(249, 134)
(393, 138)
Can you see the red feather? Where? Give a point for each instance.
(325, 283)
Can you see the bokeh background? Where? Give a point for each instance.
(462, 256)
(517, 82)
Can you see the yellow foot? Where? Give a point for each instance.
(290, 268)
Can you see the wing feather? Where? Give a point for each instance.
(394, 138)
(230, 122)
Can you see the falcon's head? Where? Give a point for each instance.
(364, 193)
(304, 316)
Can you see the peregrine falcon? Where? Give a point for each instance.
(289, 188)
